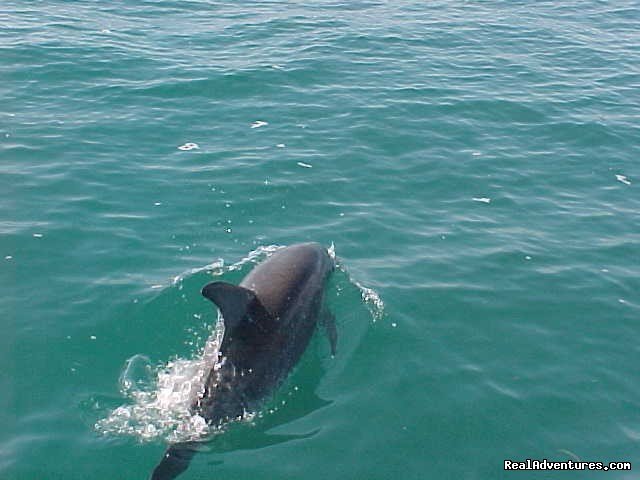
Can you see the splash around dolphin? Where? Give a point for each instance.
(269, 319)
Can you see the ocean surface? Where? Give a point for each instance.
(474, 165)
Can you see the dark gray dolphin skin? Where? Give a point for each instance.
(269, 319)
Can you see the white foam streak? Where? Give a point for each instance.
(255, 256)
(370, 297)
(189, 146)
(623, 179)
(372, 300)
(332, 251)
(216, 268)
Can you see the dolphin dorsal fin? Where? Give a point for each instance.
(234, 302)
(237, 304)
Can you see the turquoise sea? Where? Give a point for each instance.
(474, 164)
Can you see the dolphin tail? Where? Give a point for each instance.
(175, 461)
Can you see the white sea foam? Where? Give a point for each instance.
(623, 179)
(216, 268)
(163, 411)
(332, 251)
(373, 301)
(255, 256)
(370, 297)
(189, 146)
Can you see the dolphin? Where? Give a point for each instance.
(269, 319)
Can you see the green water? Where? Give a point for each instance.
(475, 165)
